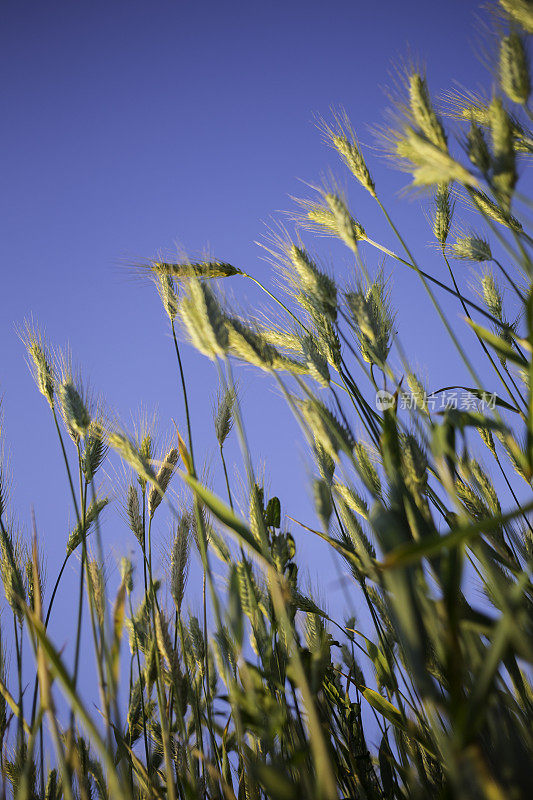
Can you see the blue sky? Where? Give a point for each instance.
(133, 126)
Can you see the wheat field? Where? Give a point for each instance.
(422, 495)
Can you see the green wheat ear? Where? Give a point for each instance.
(504, 175)
(164, 281)
(477, 148)
(373, 320)
(203, 319)
(179, 560)
(195, 269)
(126, 573)
(249, 344)
(442, 213)
(428, 164)
(11, 572)
(492, 295)
(73, 409)
(95, 445)
(316, 362)
(97, 582)
(328, 432)
(341, 137)
(223, 413)
(418, 143)
(39, 359)
(330, 216)
(162, 480)
(471, 248)
(423, 113)
(488, 208)
(306, 277)
(346, 228)
(132, 455)
(82, 529)
(133, 513)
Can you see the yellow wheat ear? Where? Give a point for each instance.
(520, 11)
(513, 66)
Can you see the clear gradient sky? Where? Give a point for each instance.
(132, 126)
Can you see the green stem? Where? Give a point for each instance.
(184, 390)
(226, 477)
(65, 458)
(82, 578)
(18, 647)
(141, 682)
(427, 277)
(165, 735)
(482, 343)
(510, 280)
(47, 619)
(276, 299)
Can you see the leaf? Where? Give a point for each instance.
(395, 717)
(504, 631)
(338, 546)
(277, 785)
(225, 514)
(385, 768)
(184, 454)
(234, 610)
(529, 308)
(14, 706)
(386, 709)
(383, 672)
(502, 347)
(471, 419)
(481, 394)
(139, 768)
(415, 551)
